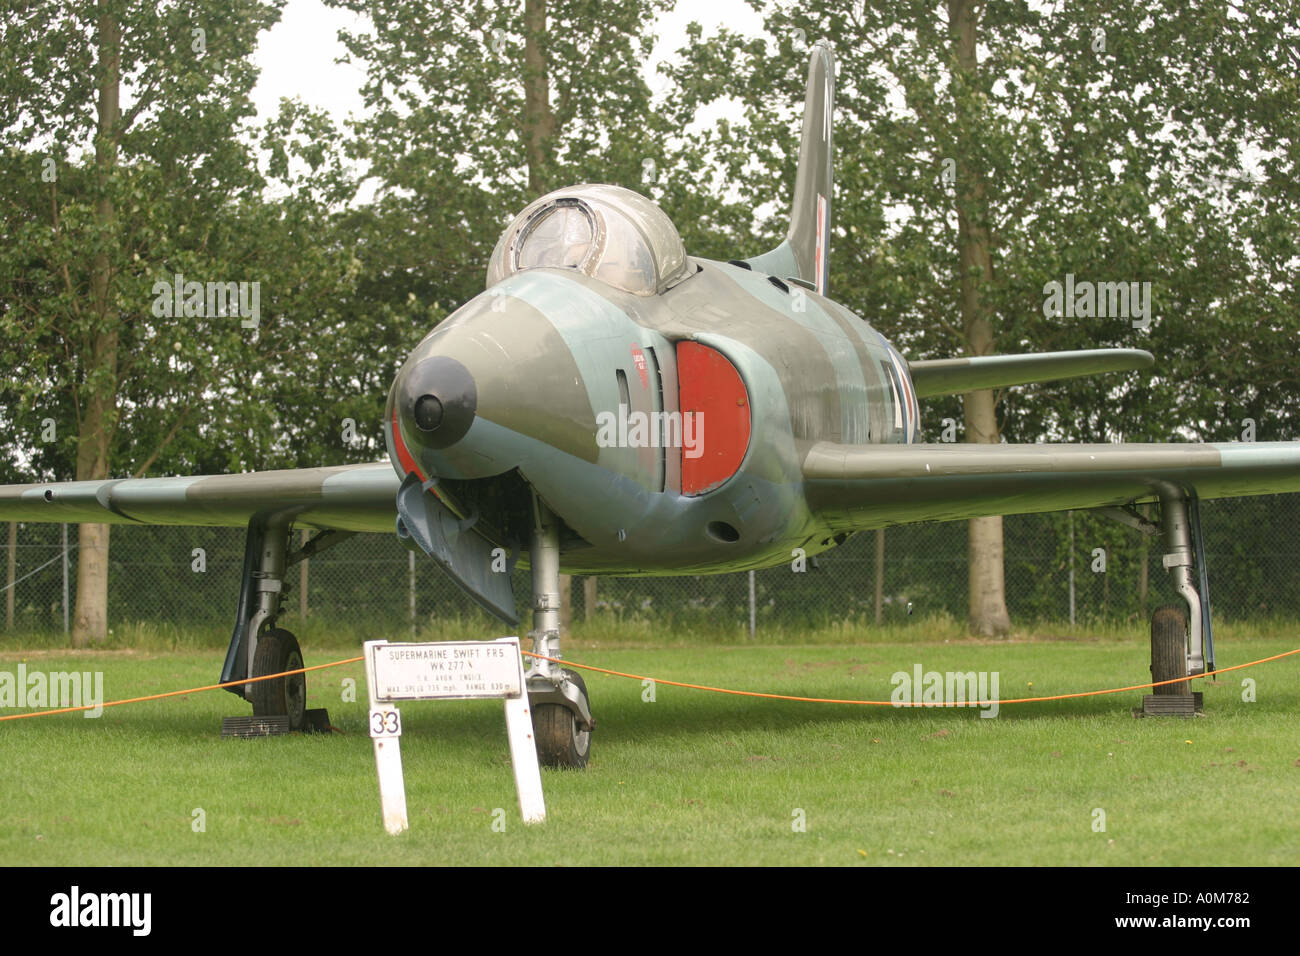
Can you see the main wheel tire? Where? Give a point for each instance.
(1169, 648)
(277, 651)
(559, 741)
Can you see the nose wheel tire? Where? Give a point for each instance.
(277, 651)
(560, 743)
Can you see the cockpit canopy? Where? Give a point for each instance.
(607, 232)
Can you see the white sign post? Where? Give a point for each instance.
(450, 670)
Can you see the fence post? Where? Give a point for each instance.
(880, 574)
(1071, 516)
(410, 557)
(589, 597)
(9, 576)
(566, 602)
(752, 616)
(65, 578)
(1144, 566)
(302, 582)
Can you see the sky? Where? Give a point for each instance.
(296, 56)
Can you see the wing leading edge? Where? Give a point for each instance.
(857, 487)
(344, 498)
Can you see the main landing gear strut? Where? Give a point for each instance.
(562, 722)
(1182, 639)
(257, 646)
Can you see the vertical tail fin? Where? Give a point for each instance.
(805, 253)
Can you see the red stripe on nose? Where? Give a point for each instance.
(404, 458)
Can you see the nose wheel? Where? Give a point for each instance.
(561, 742)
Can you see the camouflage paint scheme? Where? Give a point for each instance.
(523, 371)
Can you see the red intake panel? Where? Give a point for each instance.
(715, 417)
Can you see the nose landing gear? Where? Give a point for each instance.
(562, 722)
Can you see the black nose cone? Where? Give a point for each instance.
(437, 401)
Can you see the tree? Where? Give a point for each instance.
(124, 133)
(475, 109)
(988, 602)
(985, 151)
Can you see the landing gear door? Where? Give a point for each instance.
(425, 523)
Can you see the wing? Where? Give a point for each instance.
(955, 376)
(855, 487)
(346, 498)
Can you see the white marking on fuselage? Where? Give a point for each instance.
(819, 267)
(826, 111)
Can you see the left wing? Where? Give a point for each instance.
(955, 376)
(856, 487)
(345, 498)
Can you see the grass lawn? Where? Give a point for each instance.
(691, 778)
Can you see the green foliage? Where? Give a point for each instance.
(456, 146)
(190, 393)
(1167, 154)
(1120, 156)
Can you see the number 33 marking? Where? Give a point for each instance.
(385, 723)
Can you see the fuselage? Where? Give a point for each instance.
(666, 431)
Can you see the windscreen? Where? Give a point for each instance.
(560, 238)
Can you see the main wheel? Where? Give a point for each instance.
(1169, 648)
(559, 741)
(277, 651)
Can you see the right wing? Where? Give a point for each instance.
(857, 487)
(344, 498)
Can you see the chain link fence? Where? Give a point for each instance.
(1076, 566)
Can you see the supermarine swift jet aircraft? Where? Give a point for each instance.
(612, 405)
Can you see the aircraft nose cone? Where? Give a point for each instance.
(437, 400)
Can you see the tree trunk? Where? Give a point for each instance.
(988, 603)
(96, 426)
(538, 119)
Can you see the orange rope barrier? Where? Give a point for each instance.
(673, 683)
(177, 693)
(890, 703)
